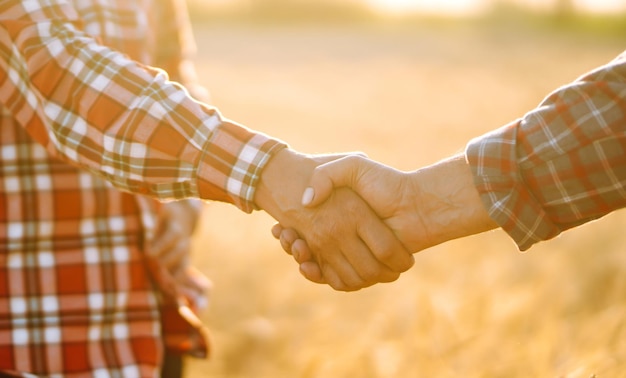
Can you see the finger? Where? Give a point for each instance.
(334, 279)
(367, 267)
(336, 271)
(312, 272)
(356, 256)
(350, 271)
(191, 276)
(285, 245)
(301, 251)
(384, 245)
(328, 176)
(175, 257)
(193, 282)
(287, 237)
(276, 230)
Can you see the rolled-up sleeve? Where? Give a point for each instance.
(562, 164)
(98, 109)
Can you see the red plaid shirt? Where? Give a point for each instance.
(78, 118)
(562, 164)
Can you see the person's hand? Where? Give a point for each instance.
(391, 193)
(171, 247)
(351, 245)
(171, 243)
(386, 189)
(424, 207)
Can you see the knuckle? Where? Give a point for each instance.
(371, 273)
(353, 283)
(386, 252)
(394, 257)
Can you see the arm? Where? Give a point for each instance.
(97, 109)
(424, 208)
(177, 220)
(354, 248)
(101, 111)
(559, 166)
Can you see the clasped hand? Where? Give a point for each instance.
(380, 186)
(351, 246)
(422, 208)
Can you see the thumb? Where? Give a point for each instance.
(331, 175)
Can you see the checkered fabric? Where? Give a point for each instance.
(562, 164)
(81, 118)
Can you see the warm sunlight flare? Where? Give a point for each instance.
(601, 6)
(593, 6)
(468, 7)
(441, 7)
(460, 7)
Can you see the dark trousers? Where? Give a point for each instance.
(172, 366)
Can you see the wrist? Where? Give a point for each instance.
(282, 183)
(448, 202)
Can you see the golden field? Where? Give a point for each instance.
(407, 96)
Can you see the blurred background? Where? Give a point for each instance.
(408, 82)
(445, 8)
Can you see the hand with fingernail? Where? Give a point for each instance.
(423, 208)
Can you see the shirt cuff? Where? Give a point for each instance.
(500, 184)
(232, 163)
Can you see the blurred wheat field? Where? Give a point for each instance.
(407, 96)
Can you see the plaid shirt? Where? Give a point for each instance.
(81, 118)
(562, 164)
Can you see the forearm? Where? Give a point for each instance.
(447, 203)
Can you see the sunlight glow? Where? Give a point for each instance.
(448, 7)
(601, 6)
(468, 7)
(443, 7)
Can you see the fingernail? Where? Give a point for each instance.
(307, 196)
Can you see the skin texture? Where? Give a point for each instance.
(353, 248)
(424, 207)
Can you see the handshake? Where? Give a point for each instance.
(355, 222)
